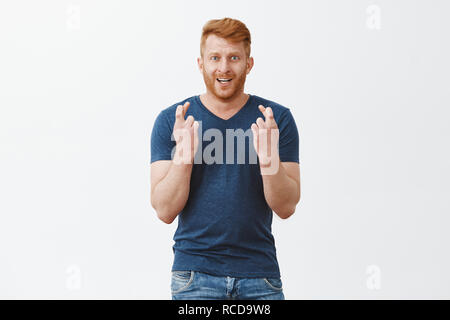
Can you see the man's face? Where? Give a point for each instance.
(224, 60)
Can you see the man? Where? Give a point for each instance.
(224, 248)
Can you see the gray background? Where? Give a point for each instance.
(81, 83)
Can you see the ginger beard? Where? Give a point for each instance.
(224, 92)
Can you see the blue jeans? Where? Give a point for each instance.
(195, 285)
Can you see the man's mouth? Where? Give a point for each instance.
(224, 80)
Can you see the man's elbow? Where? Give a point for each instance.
(287, 211)
(162, 214)
(165, 217)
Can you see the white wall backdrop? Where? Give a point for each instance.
(81, 83)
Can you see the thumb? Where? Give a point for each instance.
(195, 126)
(254, 128)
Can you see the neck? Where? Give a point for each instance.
(224, 105)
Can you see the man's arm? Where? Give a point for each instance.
(170, 184)
(281, 180)
(170, 179)
(282, 189)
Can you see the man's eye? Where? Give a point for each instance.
(235, 57)
(212, 58)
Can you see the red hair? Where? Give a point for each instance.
(229, 29)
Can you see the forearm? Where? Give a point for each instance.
(282, 193)
(171, 193)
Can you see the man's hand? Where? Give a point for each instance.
(185, 133)
(265, 141)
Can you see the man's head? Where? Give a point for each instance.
(225, 54)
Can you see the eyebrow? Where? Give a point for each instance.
(231, 53)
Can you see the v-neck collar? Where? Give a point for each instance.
(217, 117)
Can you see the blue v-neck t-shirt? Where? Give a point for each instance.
(225, 228)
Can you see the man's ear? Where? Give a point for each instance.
(200, 64)
(250, 63)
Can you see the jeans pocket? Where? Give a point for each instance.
(181, 280)
(274, 283)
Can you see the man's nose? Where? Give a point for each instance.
(224, 66)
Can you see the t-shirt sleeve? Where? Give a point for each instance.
(289, 142)
(161, 144)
